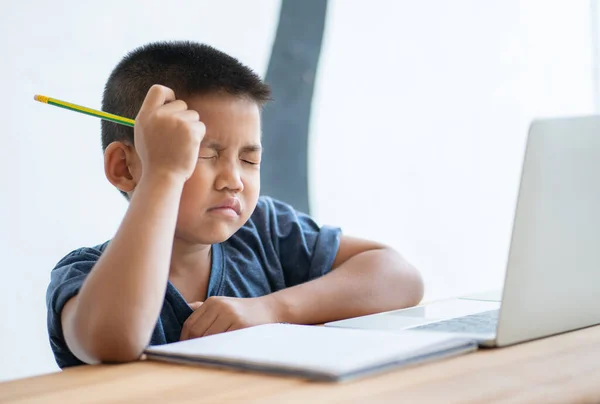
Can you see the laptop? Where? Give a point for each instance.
(552, 280)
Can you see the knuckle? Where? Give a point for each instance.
(178, 105)
(155, 88)
(211, 301)
(221, 305)
(228, 310)
(185, 122)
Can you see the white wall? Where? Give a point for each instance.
(54, 194)
(418, 127)
(420, 117)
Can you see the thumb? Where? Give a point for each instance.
(195, 305)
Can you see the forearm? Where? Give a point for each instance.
(370, 282)
(120, 301)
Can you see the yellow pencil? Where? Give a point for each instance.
(84, 110)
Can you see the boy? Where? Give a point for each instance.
(198, 251)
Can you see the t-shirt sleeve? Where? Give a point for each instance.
(306, 250)
(65, 281)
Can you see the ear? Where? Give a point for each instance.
(122, 166)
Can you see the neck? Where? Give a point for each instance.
(188, 259)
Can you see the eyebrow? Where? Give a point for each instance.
(251, 148)
(245, 149)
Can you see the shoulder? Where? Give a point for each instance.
(274, 221)
(69, 273)
(83, 254)
(292, 239)
(77, 263)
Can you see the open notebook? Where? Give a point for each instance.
(317, 353)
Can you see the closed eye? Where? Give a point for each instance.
(254, 163)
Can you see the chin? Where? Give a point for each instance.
(213, 233)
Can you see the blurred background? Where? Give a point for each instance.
(400, 121)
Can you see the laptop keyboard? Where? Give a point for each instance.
(479, 323)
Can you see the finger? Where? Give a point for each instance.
(188, 324)
(195, 305)
(203, 324)
(199, 125)
(220, 325)
(157, 95)
(235, 326)
(173, 107)
(189, 115)
(198, 326)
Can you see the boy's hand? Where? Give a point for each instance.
(167, 134)
(220, 314)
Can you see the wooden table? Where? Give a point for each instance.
(560, 369)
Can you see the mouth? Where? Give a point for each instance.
(230, 207)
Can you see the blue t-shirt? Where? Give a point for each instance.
(277, 248)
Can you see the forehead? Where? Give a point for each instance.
(228, 119)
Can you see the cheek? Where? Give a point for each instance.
(250, 194)
(197, 187)
(252, 184)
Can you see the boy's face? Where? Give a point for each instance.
(223, 191)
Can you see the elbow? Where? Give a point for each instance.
(409, 286)
(116, 350)
(417, 286)
(106, 342)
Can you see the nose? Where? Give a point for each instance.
(229, 178)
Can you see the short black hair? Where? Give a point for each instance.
(188, 68)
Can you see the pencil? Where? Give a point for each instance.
(84, 110)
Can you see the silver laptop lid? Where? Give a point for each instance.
(552, 280)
